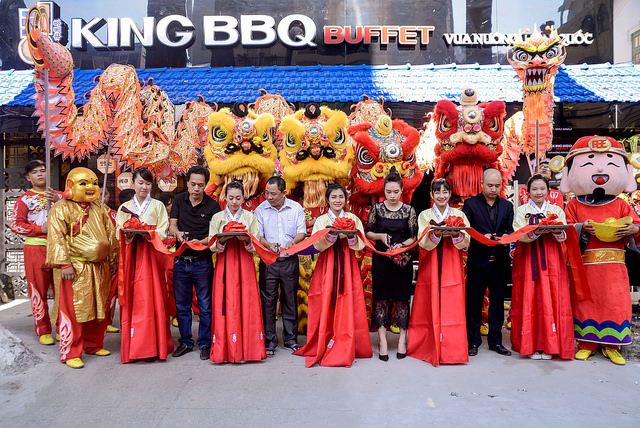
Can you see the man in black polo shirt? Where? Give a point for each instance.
(487, 266)
(189, 221)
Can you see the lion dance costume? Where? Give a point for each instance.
(315, 152)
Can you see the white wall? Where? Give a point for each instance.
(626, 21)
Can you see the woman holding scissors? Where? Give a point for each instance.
(393, 224)
(438, 328)
(541, 319)
(237, 329)
(337, 332)
(142, 288)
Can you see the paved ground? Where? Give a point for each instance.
(281, 392)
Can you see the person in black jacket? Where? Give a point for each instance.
(487, 266)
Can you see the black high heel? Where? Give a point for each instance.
(400, 355)
(384, 358)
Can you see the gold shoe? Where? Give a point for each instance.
(484, 330)
(112, 329)
(394, 329)
(58, 337)
(75, 363)
(583, 354)
(46, 339)
(102, 353)
(509, 325)
(507, 306)
(174, 322)
(614, 356)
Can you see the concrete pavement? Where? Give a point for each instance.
(281, 392)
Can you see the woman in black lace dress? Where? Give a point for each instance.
(392, 224)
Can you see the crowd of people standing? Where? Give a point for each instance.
(236, 301)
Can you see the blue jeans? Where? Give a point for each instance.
(186, 276)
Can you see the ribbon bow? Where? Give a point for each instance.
(343, 223)
(135, 224)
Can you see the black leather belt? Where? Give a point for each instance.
(190, 259)
(492, 259)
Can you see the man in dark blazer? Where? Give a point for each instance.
(487, 266)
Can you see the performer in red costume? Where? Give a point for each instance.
(237, 330)
(142, 282)
(597, 171)
(338, 330)
(81, 242)
(542, 325)
(29, 219)
(553, 196)
(438, 327)
(114, 279)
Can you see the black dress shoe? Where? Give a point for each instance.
(400, 355)
(205, 353)
(384, 358)
(473, 350)
(181, 350)
(500, 350)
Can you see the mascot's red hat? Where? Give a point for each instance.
(597, 144)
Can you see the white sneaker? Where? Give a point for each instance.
(546, 356)
(535, 356)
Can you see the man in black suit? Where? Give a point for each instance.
(492, 216)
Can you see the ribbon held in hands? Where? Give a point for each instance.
(267, 256)
(134, 223)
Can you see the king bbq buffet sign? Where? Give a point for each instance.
(296, 31)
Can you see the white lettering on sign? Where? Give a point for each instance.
(220, 25)
(184, 38)
(506, 39)
(261, 24)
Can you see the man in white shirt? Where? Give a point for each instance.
(282, 225)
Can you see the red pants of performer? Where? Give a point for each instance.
(113, 294)
(39, 279)
(77, 337)
(593, 346)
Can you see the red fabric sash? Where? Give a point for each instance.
(267, 256)
(580, 285)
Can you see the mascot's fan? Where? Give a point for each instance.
(597, 170)
(82, 243)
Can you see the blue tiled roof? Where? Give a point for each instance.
(407, 83)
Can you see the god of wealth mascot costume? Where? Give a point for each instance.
(241, 148)
(315, 152)
(82, 243)
(597, 170)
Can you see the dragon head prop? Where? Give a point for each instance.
(315, 151)
(240, 147)
(380, 147)
(468, 141)
(536, 60)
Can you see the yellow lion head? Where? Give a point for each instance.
(316, 151)
(240, 147)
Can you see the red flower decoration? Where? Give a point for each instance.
(135, 224)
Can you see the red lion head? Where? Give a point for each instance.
(468, 141)
(380, 147)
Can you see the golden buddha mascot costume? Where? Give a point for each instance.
(81, 242)
(597, 170)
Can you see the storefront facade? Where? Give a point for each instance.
(155, 34)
